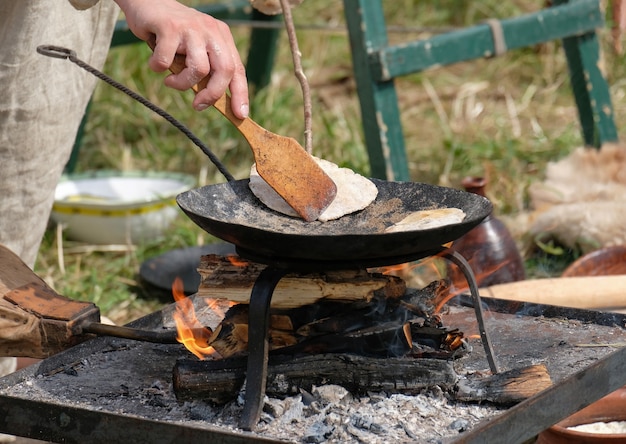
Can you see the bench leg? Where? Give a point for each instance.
(591, 90)
(378, 100)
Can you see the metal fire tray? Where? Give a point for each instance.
(118, 390)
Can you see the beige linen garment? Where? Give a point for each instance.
(42, 101)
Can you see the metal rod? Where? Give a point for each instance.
(159, 337)
(69, 424)
(59, 52)
(340, 29)
(258, 344)
(464, 266)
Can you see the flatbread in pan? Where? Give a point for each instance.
(427, 219)
(354, 192)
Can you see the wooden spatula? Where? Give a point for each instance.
(281, 161)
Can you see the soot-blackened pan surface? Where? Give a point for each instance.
(232, 213)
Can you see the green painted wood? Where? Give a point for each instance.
(574, 18)
(376, 64)
(262, 51)
(378, 100)
(590, 88)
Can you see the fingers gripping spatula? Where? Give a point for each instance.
(281, 161)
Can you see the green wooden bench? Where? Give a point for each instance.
(376, 64)
(259, 63)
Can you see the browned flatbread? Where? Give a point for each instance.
(427, 219)
(354, 192)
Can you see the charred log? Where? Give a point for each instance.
(220, 381)
(506, 388)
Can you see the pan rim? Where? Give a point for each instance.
(341, 240)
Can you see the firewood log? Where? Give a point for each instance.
(379, 327)
(232, 278)
(220, 381)
(505, 388)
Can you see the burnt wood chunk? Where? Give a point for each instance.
(232, 278)
(506, 388)
(220, 381)
(378, 327)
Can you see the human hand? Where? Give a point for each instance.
(206, 42)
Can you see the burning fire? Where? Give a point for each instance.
(431, 267)
(191, 333)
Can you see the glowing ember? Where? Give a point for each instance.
(191, 333)
(406, 329)
(236, 260)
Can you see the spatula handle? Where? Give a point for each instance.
(248, 128)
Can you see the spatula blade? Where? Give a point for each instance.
(295, 176)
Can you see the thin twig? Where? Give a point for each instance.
(60, 255)
(297, 65)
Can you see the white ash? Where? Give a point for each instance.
(331, 414)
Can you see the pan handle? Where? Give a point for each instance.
(167, 336)
(56, 52)
(64, 53)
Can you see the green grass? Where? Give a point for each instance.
(456, 123)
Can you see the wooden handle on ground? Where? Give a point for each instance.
(587, 292)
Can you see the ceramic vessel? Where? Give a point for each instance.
(118, 207)
(603, 262)
(489, 248)
(610, 408)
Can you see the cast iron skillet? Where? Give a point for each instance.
(232, 213)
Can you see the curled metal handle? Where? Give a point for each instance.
(59, 52)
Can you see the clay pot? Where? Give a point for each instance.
(610, 408)
(489, 248)
(603, 262)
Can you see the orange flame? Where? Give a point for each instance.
(459, 284)
(191, 333)
(236, 260)
(406, 329)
